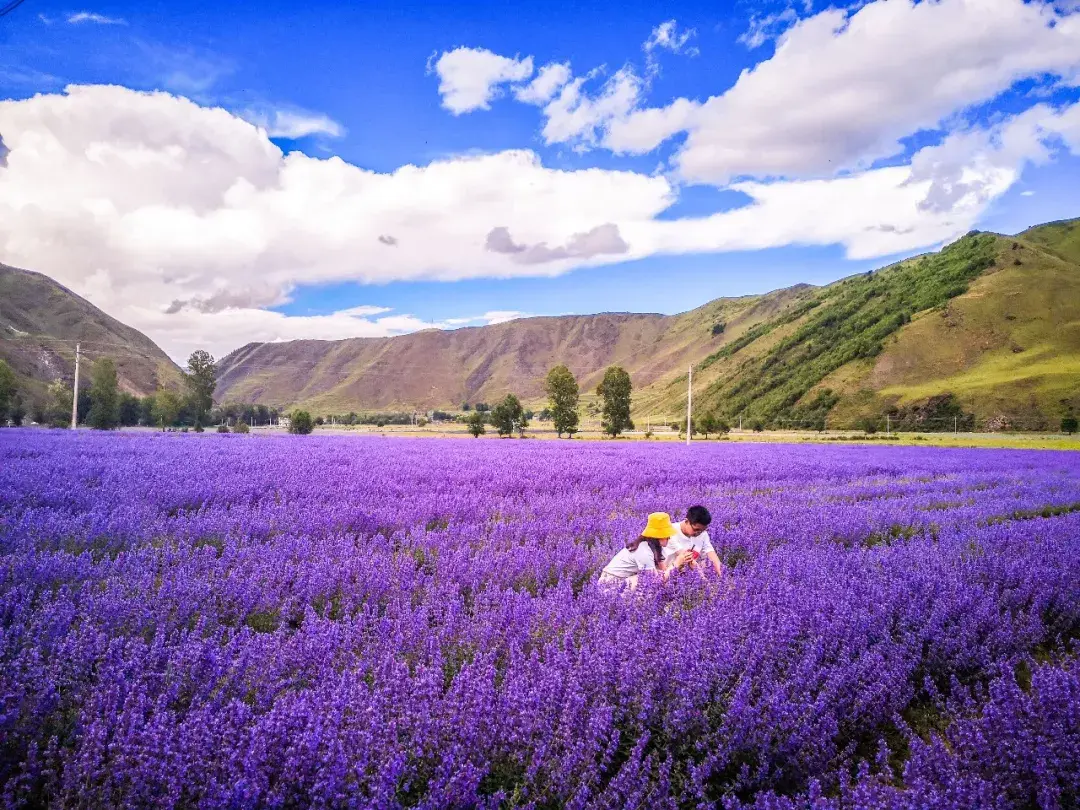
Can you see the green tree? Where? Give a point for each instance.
(562, 391)
(708, 424)
(16, 411)
(1069, 424)
(301, 423)
(615, 389)
(694, 427)
(509, 416)
(165, 409)
(58, 412)
(104, 396)
(7, 388)
(475, 424)
(201, 381)
(241, 427)
(130, 410)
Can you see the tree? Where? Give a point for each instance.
(16, 411)
(483, 407)
(475, 423)
(166, 408)
(615, 389)
(1069, 424)
(130, 410)
(708, 424)
(241, 427)
(509, 416)
(301, 423)
(465, 406)
(201, 381)
(7, 388)
(104, 396)
(694, 429)
(562, 390)
(58, 412)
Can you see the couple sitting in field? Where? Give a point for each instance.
(664, 547)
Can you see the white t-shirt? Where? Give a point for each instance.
(681, 542)
(627, 563)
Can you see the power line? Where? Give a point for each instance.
(10, 7)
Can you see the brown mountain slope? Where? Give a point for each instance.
(40, 321)
(445, 368)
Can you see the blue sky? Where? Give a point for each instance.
(687, 153)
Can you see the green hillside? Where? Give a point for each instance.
(987, 330)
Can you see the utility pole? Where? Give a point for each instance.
(75, 394)
(740, 423)
(888, 424)
(954, 426)
(689, 397)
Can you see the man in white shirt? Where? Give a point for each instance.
(692, 535)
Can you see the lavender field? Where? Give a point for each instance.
(228, 621)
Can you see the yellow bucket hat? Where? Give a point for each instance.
(659, 526)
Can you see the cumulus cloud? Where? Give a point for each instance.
(4, 152)
(844, 87)
(603, 239)
(576, 117)
(547, 82)
(148, 202)
(91, 17)
(469, 78)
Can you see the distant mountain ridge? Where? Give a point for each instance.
(40, 322)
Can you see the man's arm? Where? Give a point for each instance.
(712, 557)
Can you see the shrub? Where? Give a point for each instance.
(301, 423)
(241, 427)
(1069, 424)
(222, 428)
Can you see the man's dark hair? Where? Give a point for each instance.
(699, 515)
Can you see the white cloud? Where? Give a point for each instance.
(469, 78)
(666, 36)
(575, 117)
(843, 88)
(547, 82)
(292, 122)
(142, 200)
(769, 26)
(91, 17)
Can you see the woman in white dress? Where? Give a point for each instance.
(643, 553)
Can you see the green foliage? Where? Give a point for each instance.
(301, 423)
(241, 427)
(58, 412)
(847, 321)
(709, 423)
(941, 414)
(104, 396)
(1069, 424)
(562, 390)
(222, 428)
(7, 388)
(718, 328)
(509, 416)
(130, 410)
(201, 381)
(476, 424)
(615, 389)
(165, 409)
(16, 411)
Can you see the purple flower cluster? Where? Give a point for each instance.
(227, 621)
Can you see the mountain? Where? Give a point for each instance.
(40, 321)
(444, 368)
(986, 328)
